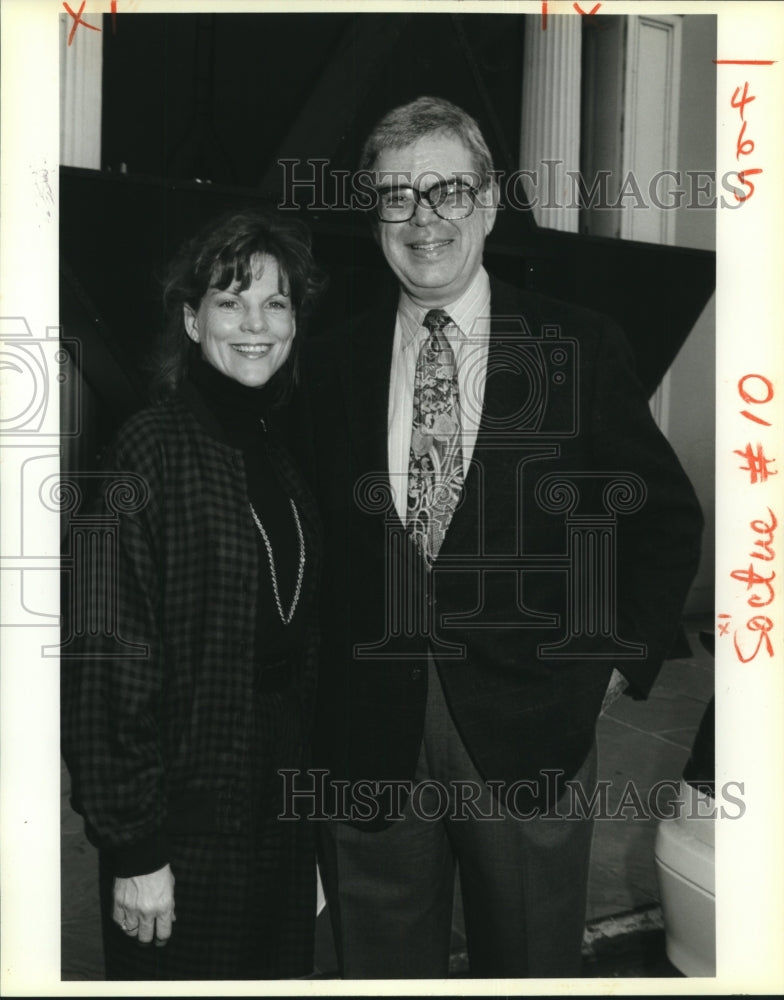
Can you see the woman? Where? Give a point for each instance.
(174, 751)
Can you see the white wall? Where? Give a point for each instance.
(649, 105)
(692, 413)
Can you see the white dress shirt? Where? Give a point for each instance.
(468, 335)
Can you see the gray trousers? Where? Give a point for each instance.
(523, 881)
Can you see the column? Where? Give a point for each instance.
(81, 81)
(550, 127)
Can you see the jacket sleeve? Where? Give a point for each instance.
(658, 545)
(113, 674)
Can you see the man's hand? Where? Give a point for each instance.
(144, 906)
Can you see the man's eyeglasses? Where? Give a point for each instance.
(448, 199)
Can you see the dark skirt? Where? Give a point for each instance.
(245, 903)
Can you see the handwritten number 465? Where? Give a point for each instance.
(743, 146)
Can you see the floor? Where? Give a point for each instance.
(644, 742)
(640, 743)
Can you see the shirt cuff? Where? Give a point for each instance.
(142, 858)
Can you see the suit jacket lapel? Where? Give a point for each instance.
(364, 374)
(505, 307)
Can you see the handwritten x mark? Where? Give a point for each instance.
(78, 20)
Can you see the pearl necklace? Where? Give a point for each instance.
(300, 572)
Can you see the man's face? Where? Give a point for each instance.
(434, 259)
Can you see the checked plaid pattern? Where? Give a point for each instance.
(172, 753)
(435, 463)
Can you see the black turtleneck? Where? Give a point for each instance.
(243, 415)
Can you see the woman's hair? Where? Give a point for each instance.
(427, 116)
(219, 255)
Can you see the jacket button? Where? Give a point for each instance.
(416, 673)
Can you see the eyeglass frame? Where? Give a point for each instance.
(420, 197)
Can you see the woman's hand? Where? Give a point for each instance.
(144, 906)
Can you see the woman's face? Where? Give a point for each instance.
(245, 335)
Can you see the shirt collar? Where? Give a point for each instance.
(464, 311)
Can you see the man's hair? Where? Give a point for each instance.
(424, 117)
(219, 255)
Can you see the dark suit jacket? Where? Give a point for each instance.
(570, 481)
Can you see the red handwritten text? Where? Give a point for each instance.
(757, 463)
(576, 6)
(743, 146)
(759, 587)
(756, 390)
(750, 576)
(748, 397)
(761, 624)
(77, 19)
(758, 577)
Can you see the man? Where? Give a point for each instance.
(476, 448)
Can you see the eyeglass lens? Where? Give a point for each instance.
(448, 200)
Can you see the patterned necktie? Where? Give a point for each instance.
(435, 460)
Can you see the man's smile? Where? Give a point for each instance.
(429, 246)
